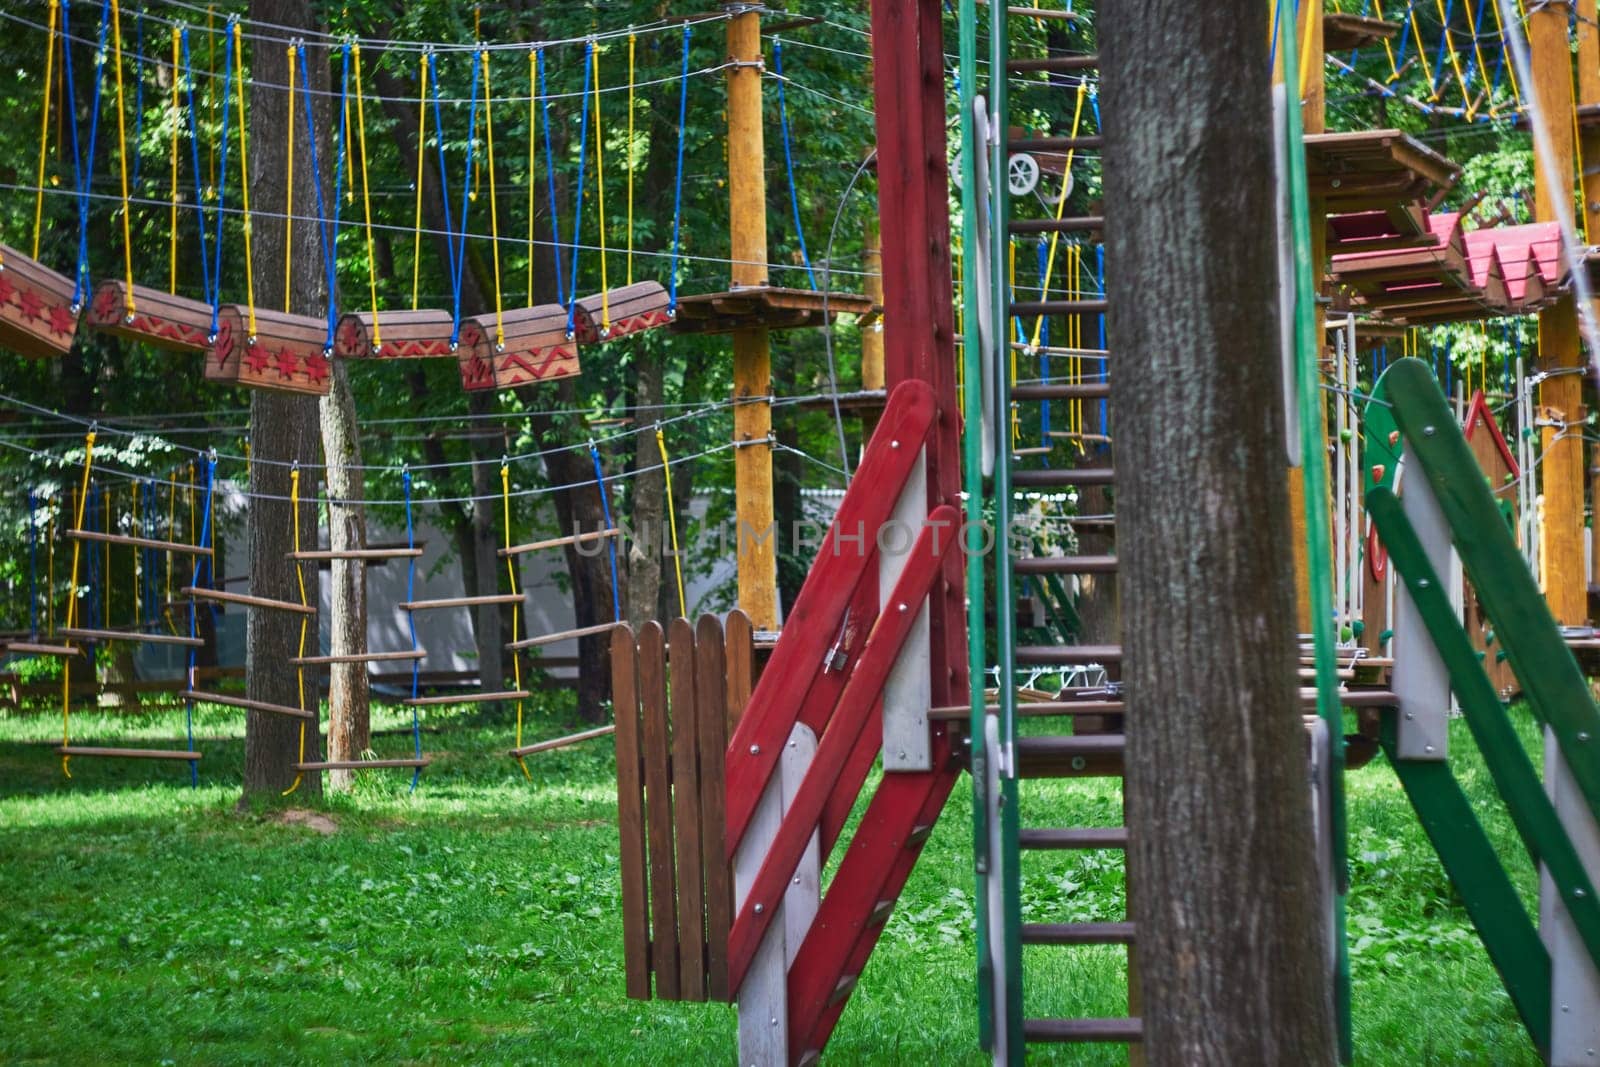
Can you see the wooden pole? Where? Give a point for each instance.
(1560, 396)
(755, 533)
(1589, 145)
(872, 376)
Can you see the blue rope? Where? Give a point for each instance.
(411, 622)
(1272, 49)
(138, 94)
(83, 164)
(1499, 70)
(328, 262)
(677, 185)
(1438, 59)
(444, 185)
(33, 565)
(92, 579)
(1472, 57)
(222, 186)
(1400, 57)
(577, 210)
(332, 258)
(201, 565)
(457, 249)
(550, 169)
(611, 542)
(147, 577)
(1100, 283)
(1042, 265)
(194, 159)
(788, 160)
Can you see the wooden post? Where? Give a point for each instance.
(1560, 397)
(1589, 142)
(872, 335)
(754, 532)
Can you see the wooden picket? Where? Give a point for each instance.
(678, 693)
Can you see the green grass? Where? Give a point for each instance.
(476, 920)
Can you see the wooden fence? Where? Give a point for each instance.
(678, 694)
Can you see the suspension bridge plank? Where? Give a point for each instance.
(558, 542)
(403, 335)
(630, 813)
(362, 764)
(37, 318)
(559, 635)
(287, 354)
(125, 753)
(564, 741)
(629, 309)
(139, 542)
(658, 810)
(536, 349)
(159, 319)
(461, 602)
(326, 554)
(232, 701)
(222, 596)
(84, 634)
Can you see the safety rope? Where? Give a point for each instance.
(122, 163)
(677, 181)
(72, 601)
(340, 168)
(455, 248)
(494, 210)
(788, 160)
(172, 222)
(83, 162)
(305, 619)
(44, 126)
(329, 249)
(672, 519)
(611, 542)
(533, 154)
(577, 211)
(422, 151)
(199, 184)
(516, 605)
(288, 194)
(1447, 42)
(366, 199)
(549, 170)
(214, 282)
(1061, 201)
(632, 76)
(1388, 45)
(600, 182)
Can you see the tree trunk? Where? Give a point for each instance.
(349, 709)
(1232, 929)
(648, 510)
(283, 427)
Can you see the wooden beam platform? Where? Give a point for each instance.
(131, 635)
(232, 701)
(31, 648)
(361, 765)
(562, 742)
(1343, 33)
(125, 753)
(356, 657)
(461, 602)
(558, 542)
(139, 542)
(248, 601)
(765, 307)
(1371, 170)
(325, 554)
(559, 635)
(466, 698)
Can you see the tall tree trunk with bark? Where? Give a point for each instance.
(349, 710)
(1232, 929)
(647, 496)
(283, 428)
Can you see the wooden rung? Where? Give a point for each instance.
(357, 553)
(246, 600)
(466, 698)
(132, 635)
(562, 635)
(29, 648)
(461, 602)
(361, 764)
(139, 542)
(558, 542)
(126, 753)
(243, 702)
(562, 742)
(356, 657)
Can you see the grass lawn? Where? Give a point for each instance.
(476, 920)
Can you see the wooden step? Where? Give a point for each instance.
(125, 753)
(466, 698)
(32, 648)
(1074, 224)
(1067, 655)
(1034, 709)
(560, 635)
(562, 742)
(324, 554)
(360, 764)
(1077, 933)
(356, 657)
(461, 602)
(131, 635)
(1054, 144)
(1081, 837)
(138, 542)
(1058, 307)
(1064, 565)
(1059, 1031)
(1075, 756)
(1075, 391)
(558, 542)
(229, 700)
(248, 601)
(1054, 64)
(1062, 477)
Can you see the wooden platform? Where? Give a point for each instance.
(1342, 33)
(1373, 170)
(764, 306)
(288, 353)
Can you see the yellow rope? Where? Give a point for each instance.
(1306, 38)
(600, 181)
(1483, 71)
(477, 162)
(494, 211)
(1061, 204)
(366, 201)
(44, 127)
(1422, 49)
(511, 574)
(172, 530)
(422, 152)
(1499, 29)
(1577, 151)
(172, 228)
(631, 78)
(305, 620)
(1455, 59)
(72, 602)
(1074, 336)
(1388, 45)
(288, 196)
(50, 575)
(672, 520)
(1011, 286)
(244, 181)
(122, 160)
(533, 126)
(105, 521)
(135, 563)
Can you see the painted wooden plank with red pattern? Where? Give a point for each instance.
(814, 621)
(833, 751)
(37, 318)
(618, 312)
(287, 353)
(535, 348)
(417, 334)
(162, 320)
